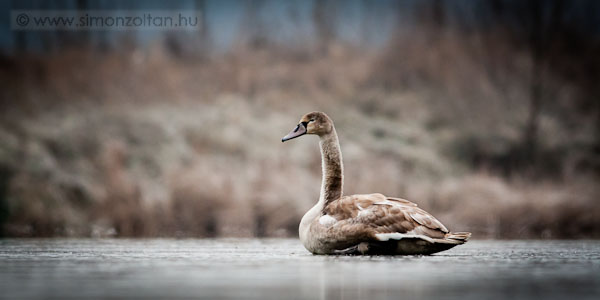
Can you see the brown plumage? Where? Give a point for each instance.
(363, 224)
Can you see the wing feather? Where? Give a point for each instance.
(425, 219)
(403, 201)
(371, 214)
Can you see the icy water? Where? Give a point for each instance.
(282, 269)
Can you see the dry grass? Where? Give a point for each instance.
(490, 207)
(149, 145)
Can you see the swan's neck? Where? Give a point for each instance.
(331, 187)
(333, 169)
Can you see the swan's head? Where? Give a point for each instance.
(315, 122)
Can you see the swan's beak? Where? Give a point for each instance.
(298, 131)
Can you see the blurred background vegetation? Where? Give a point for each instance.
(485, 113)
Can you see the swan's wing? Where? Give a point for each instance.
(378, 217)
(403, 201)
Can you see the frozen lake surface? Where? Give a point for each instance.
(282, 269)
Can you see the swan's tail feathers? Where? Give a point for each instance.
(458, 237)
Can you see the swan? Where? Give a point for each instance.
(363, 224)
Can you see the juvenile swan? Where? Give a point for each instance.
(363, 224)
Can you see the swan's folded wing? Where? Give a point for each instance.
(403, 201)
(426, 219)
(375, 214)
